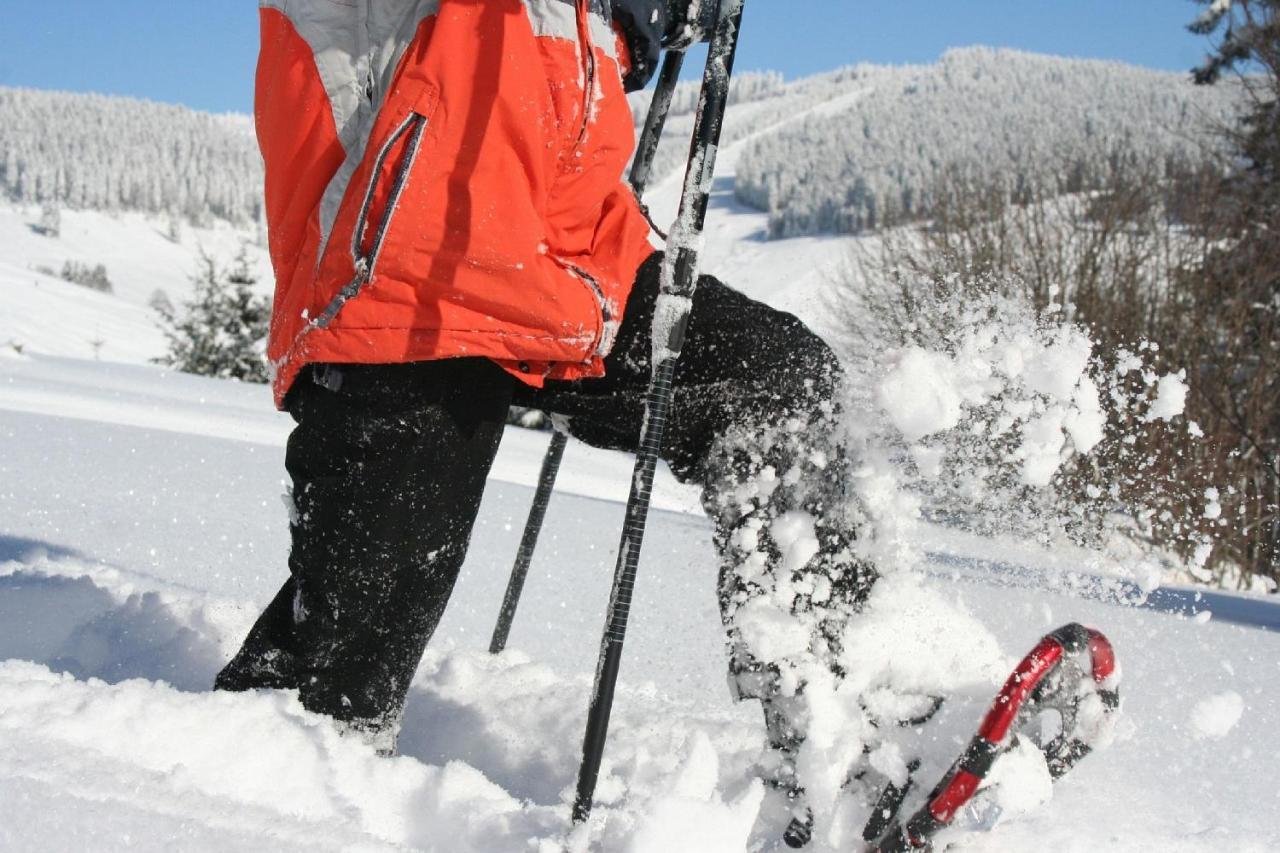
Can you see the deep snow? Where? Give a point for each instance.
(135, 552)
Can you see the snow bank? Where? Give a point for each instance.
(284, 758)
(105, 678)
(692, 816)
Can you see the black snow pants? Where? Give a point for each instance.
(388, 464)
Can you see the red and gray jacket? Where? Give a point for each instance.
(444, 178)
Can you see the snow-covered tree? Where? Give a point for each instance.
(83, 151)
(50, 221)
(160, 301)
(874, 147)
(93, 277)
(222, 329)
(173, 230)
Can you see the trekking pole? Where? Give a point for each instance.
(529, 541)
(671, 319)
(655, 120)
(639, 179)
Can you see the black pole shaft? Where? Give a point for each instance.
(529, 541)
(679, 281)
(655, 120)
(641, 165)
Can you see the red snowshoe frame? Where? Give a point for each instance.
(1049, 677)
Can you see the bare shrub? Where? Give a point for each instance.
(1162, 283)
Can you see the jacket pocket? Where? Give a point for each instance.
(401, 146)
(607, 322)
(365, 248)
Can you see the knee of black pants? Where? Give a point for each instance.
(802, 382)
(810, 376)
(747, 369)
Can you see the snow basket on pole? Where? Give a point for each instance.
(675, 300)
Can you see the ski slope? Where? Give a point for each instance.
(793, 275)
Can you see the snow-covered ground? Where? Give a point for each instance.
(46, 314)
(137, 545)
(142, 527)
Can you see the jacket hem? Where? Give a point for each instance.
(532, 359)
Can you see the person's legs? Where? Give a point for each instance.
(755, 422)
(388, 464)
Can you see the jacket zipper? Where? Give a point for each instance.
(604, 338)
(419, 124)
(415, 124)
(588, 67)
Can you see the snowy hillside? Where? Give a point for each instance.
(1027, 118)
(137, 187)
(1003, 108)
(101, 152)
(43, 313)
(840, 151)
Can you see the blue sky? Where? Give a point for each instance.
(201, 52)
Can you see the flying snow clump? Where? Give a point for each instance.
(1214, 717)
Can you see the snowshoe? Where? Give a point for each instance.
(1072, 672)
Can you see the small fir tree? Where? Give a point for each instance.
(221, 331)
(160, 301)
(50, 221)
(93, 277)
